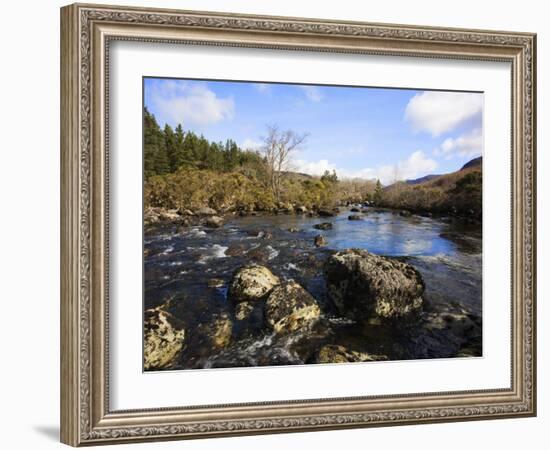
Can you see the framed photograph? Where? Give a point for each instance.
(276, 224)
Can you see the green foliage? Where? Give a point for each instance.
(466, 196)
(329, 177)
(378, 193)
(154, 147)
(165, 151)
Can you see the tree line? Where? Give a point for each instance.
(166, 150)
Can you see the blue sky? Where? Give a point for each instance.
(359, 132)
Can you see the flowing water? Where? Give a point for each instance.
(193, 266)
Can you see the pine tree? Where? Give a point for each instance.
(153, 140)
(162, 163)
(377, 197)
(189, 143)
(171, 148)
(180, 158)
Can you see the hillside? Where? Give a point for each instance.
(422, 179)
(455, 193)
(476, 162)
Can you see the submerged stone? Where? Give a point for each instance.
(323, 226)
(331, 354)
(217, 332)
(320, 241)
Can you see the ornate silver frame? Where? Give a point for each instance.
(86, 31)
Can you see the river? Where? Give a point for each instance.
(194, 266)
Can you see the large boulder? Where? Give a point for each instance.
(164, 337)
(251, 283)
(331, 354)
(365, 286)
(290, 307)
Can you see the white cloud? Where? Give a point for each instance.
(251, 144)
(416, 165)
(313, 93)
(178, 102)
(312, 168)
(262, 87)
(441, 112)
(469, 144)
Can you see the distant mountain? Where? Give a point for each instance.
(476, 162)
(422, 179)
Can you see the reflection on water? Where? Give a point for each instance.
(181, 263)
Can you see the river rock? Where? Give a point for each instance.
(163, 339)
(330, 354)
(243, 310)
(363, 285)
(251, 283)
(216, 283)
(355, 209)
(290, 307)
(214, 222)
(285, 207)
(206, 211)
(301, 209)
(150, 216)
(354, 217)
(235, 249)
(186, 212)
(326, 213)
(323, 226)
(293, 230)
(405, 213)
(169, 215)
(320, 241)
(216, 334)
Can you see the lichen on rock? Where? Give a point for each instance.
(331, 354)
(251, 283)
(163, 339)
(363, 285)
(290, 307)
(217, 332)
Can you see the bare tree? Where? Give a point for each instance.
(278, 148)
